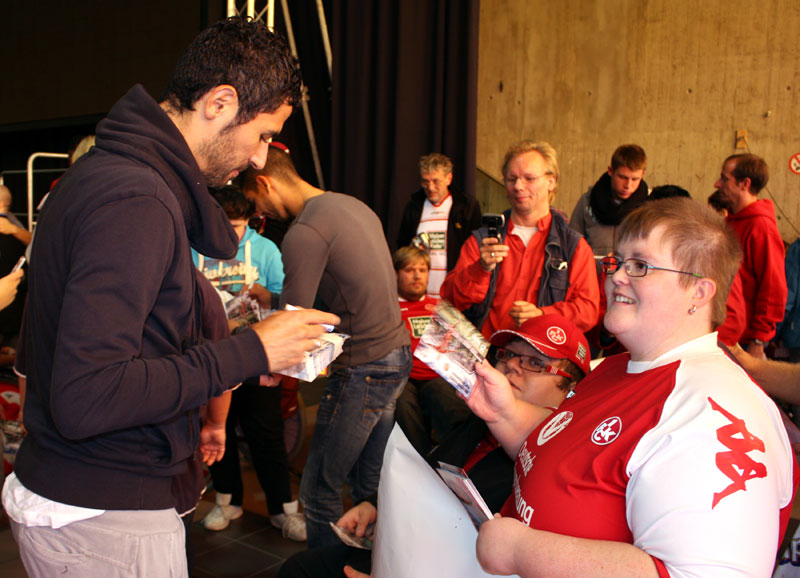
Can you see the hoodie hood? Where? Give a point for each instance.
(138, 128)
(760, 209)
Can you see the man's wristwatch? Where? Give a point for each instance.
(758, 342)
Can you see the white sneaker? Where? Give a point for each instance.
(222, 513)
(292, 523)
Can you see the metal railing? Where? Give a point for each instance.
(29, 172)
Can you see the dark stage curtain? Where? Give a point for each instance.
(405, 85)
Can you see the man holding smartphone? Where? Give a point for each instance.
(536, 264)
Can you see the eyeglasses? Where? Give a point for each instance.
(526, 180)
(528, 363)
(636, 267)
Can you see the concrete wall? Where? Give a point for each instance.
(678, 77)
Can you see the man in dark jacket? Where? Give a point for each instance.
(447, 216)
(616, 193)
(110, 341)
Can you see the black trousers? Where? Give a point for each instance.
(428, 411)
(257, 410)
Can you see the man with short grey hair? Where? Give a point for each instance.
(447, 216)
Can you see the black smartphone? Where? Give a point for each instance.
(494, 222)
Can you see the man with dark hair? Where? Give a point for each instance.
(615, 194)
(446, 215)
(229, 53)
(110, 344)
(335, 253)
(762, 271)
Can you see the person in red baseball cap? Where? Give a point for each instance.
(544, 359)
(550, 345)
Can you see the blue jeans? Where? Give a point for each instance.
(354, 421)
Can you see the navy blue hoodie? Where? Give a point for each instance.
(109, 343)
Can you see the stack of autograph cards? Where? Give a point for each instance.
(451, 346)
(464, 489)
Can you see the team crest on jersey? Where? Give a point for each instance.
(607, 431)
(556, 335)
(554, 427)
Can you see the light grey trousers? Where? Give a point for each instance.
(143, 543)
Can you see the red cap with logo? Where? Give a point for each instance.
(552, 335)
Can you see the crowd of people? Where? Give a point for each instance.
(666, 459)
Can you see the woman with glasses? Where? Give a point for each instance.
(668, 460)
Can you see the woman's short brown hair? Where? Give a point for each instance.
(699, 239)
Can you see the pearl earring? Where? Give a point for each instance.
(693, 310)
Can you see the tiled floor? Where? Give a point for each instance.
(250, 546)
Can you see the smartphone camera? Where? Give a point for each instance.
(494, 222)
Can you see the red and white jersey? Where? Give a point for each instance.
(684, 457)
(416, 315)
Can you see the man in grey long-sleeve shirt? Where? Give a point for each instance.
(335, 252)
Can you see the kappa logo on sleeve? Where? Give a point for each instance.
(607, 431)
(735, 464)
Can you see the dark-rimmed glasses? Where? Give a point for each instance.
(636, 267)
(528, 362)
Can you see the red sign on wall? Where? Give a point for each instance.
(794, 164)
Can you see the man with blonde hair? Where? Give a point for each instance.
(536, 265)
(446, 215)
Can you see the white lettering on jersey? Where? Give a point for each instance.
(525, 459)
(523, 509)
(554, 427)
(607, 431)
